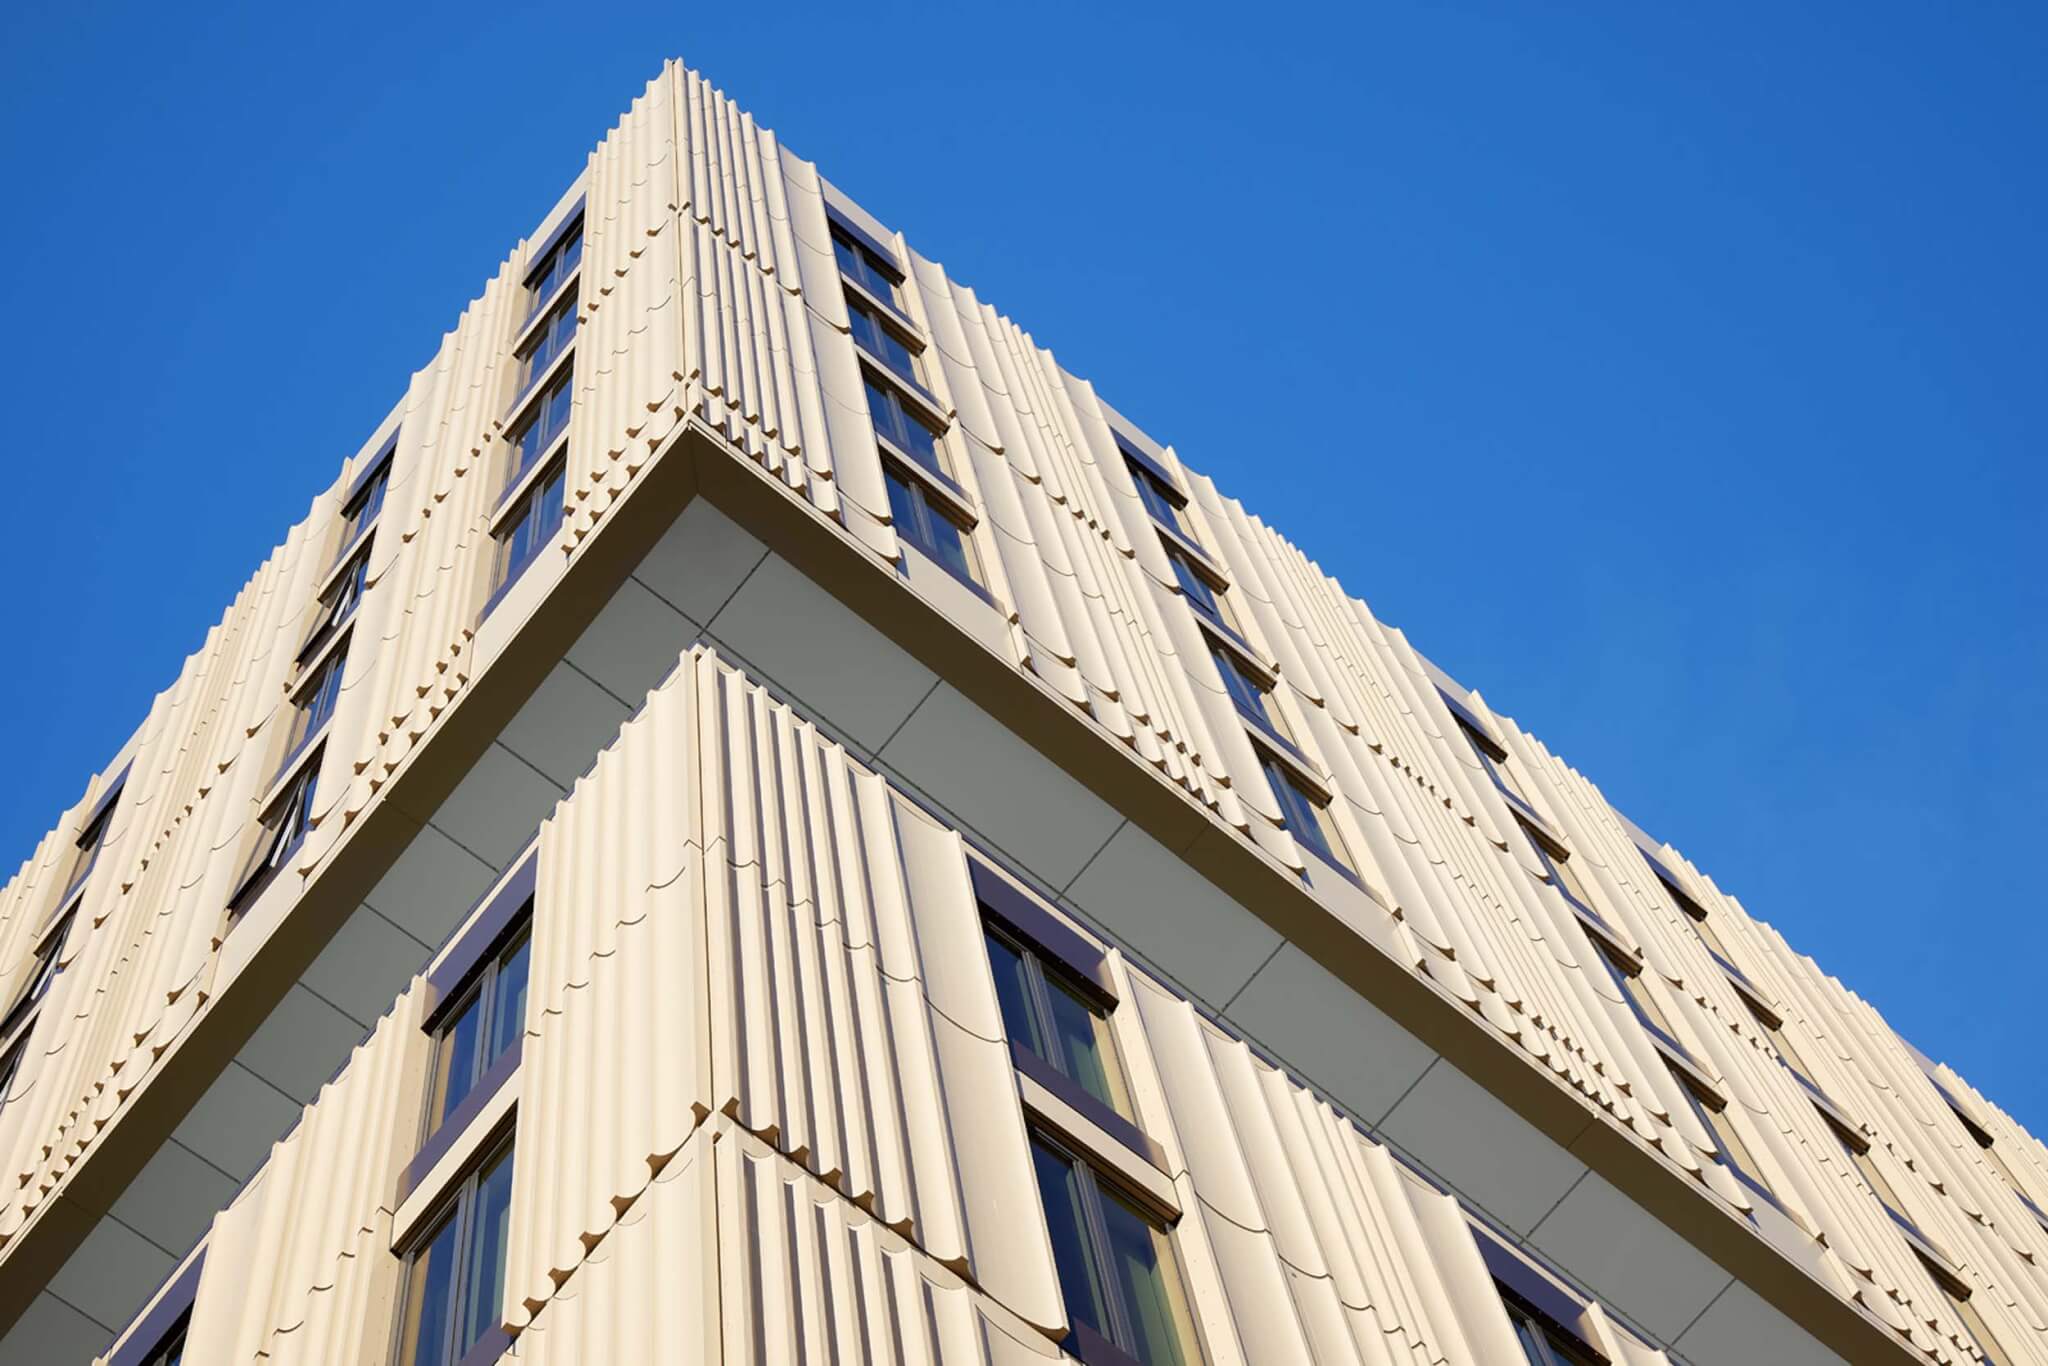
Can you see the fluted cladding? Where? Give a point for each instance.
(751, 952)
(299, 1268)
(1849, 1053)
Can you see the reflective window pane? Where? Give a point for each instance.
(1060, 1188)
(1013, 991)
(508, 1001)
(490, 1221)
(1148, 1282)
(457, 1062)
(430, 1300)
(1085, 1047)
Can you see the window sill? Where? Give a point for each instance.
(889, 310)
(535, 387)
(911, 387)
(546, 306)
(1111, 1143)
(524, 481)
(455, 1146)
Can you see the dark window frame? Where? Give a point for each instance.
(90, 844)
(1707, 1102)
(314, 702)
(458, 1203)
(480, 989)
(893, 435)
(538, 428)
(1543, 1340)
(338, 605)
(293, 809)
(867, 262)
(150, 1340)
(552, 336)
(888, 327)
(510, 563)
(921, 517)
(1043, 974)
(1096, 1185)
(364, 505)
(1280, 777)
(46, 964)
(1165, 504)
(558, 260)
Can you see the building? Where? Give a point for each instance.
(761, 820)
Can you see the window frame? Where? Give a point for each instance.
(871, 256)
(478, 986)
(1096, 1185)
(532, 414)
(1043, 974)
(272, 852)
(1329, 837)
(1544, 1341)
(1155, 491)
(46, 965)
(1731, 1146)
(167, 1323)
(897, 328)
(376, 481)
(307, 726)
(507, 568)
(340, 598)
(906, 408)
(457, 1203)
(933, 506)
(546, 259)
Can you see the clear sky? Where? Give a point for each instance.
(1690, 360)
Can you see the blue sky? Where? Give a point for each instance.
(1691, 361)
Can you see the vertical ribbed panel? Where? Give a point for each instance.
(722, 924)
(299, 1269)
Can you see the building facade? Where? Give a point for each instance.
(761, 820)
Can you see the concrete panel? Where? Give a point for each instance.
(1460, 1132)
(1002, 788)
(51, 1332)
(1630, 1259)
(633, 644)
(796, 636)
(1334, 1037)
(113, 1271)
(301, 1045)
(700, 561)
(1140, 891)
(495, 810)
(174, 1198)
(236, 1121)
(366, 965)
(432, 885)
(1739, 1329)
(564, 724)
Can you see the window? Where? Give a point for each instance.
(550, 340)
(1628, 977)
(316, 700)
(866, 267)
(532, 525)
(281, 831)
(339, 602)
(1160, 498)
(1959, 1298)
(546, 419)
(1306, 818)
(455, 1275)
(482, 1028)
(1201, 594)
(902, 428)
(42, 971)
(364, 507)
(1246, 691)
(10, 1067)
(1117, 1271)
(1057, 1018)
(1733, 1153)
(556, 264)
(879, 340)
(1858, 1149)
(171, 1351)
(930, 525)
(1542, 1342)
(90, 841)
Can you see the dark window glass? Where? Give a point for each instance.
(339, 602)
(364, 507)
(283, 826)
(1050, 1014)
(316, 702)
(10, 1067)
(550, 341)
(90, 841)
(1201, 595)
(557, 265)
(896, 424)
(42, 971)
(1247, 692)
(928, 525)
(171, 1351)
(1543, 1344)
(1305, 817)
(531, 527)
(1116, 1266)
(881, 342)
(547, 420)
(1160, 499)
(477, 1033)
(861, 265)
(455, 1277)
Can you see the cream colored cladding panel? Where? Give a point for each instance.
(299, 1268)
(1857, 1063)
(749, 950)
